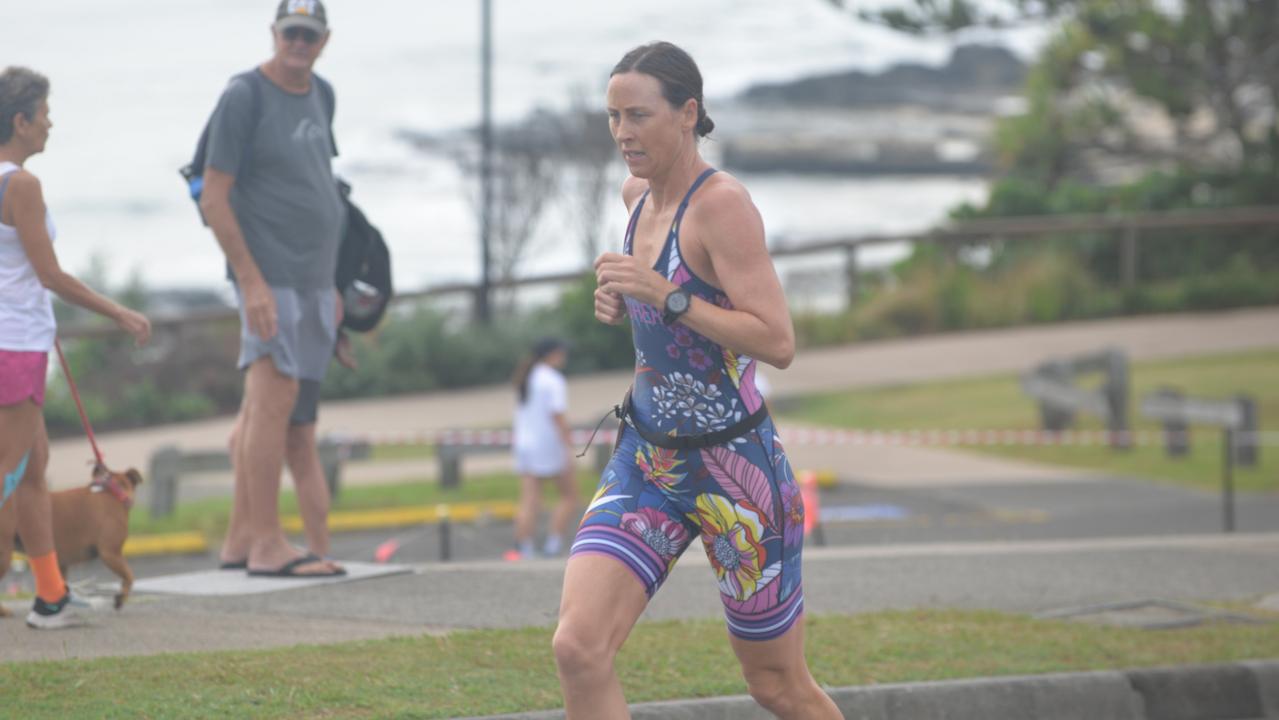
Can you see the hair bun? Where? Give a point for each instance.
(705, 125)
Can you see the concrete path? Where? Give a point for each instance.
(1030, 576)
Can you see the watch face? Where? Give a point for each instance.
(677, 302)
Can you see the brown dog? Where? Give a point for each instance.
(88, 522)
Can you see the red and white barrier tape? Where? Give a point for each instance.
(854, 438)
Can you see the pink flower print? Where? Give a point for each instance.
(699, 359)
(683, 337)
(673, 350)
(664, 535)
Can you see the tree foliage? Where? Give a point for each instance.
(1124, 85)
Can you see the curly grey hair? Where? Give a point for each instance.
(21, 91)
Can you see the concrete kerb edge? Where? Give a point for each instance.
(1212, 691)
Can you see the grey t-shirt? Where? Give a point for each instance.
(285, 199)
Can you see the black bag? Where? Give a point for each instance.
(364, 269)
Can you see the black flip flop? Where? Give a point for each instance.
(287, 569)
(235, 565)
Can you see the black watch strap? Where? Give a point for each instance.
(677, 303)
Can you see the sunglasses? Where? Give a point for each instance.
(310, 37)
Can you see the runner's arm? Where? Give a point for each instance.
(609, 306)
(731, 231)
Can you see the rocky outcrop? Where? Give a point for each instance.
(974, 74)
(909, 119)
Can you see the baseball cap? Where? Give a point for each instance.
(307, 14)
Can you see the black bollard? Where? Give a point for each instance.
(446, 531)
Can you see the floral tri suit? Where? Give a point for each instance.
(740, 496)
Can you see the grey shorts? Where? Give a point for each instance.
(306, 334)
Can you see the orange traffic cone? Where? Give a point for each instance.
(386, 550)
(812, 505)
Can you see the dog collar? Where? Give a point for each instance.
(106, 481)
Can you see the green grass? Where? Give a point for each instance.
(998, 403)
(402, 452)
(210, 516)
(494, 671)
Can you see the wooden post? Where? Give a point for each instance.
(1228, 481)
(1176, 432)
(1116, 394)
(446, 532)
(1128, 259)
(166, 466)
(851, 287)
(1246, 448)
(450, 465)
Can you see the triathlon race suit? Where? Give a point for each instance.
(739, 496)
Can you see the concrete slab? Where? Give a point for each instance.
(214, 583)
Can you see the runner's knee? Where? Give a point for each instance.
(579, 652)
(773, 690)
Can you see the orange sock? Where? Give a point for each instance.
(49, 583)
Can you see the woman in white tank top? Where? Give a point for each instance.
(29, 271)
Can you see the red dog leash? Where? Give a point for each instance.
(75, 395)
(102, 478)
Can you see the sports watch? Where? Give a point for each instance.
(677, 303)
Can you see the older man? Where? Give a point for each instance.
(271, 200)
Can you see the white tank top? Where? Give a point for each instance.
(26, 307)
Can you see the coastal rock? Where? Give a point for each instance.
(908, 120)
(974, 74)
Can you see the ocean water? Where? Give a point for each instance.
(134, 80)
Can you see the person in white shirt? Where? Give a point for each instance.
(543, 445)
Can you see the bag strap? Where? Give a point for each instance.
(200, 159)
(330, 108)
(255, 79)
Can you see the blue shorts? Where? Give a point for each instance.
(740, 498)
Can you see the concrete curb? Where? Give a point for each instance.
(1237, 691)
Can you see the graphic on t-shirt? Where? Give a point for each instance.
(309, 131)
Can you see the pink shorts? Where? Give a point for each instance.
(22, 376)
